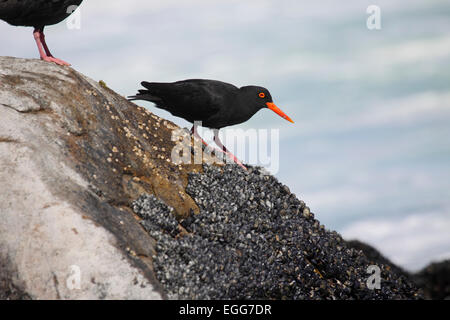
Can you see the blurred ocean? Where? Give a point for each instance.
(370, 149)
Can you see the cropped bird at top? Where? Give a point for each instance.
(216, 104)
(38, 14)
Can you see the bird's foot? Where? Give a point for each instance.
(230, 156)
(55, 60)
(44, 52)
(236, 160)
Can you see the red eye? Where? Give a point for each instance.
(262, 95)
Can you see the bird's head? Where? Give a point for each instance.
(260, 97)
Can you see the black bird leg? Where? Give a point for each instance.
(44, 52)
(225, 150)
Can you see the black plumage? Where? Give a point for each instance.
(38, 14)
(216, 104)
(35, 13)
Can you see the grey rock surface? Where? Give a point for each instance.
(73, 155)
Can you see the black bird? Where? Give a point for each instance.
(216, 104)
(38, 14)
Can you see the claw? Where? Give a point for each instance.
(44, 52)
(55, 60)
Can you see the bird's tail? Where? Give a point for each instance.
(146, 94)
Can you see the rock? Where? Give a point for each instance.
(375, 257)
(238, 247)
(73, 157)
(10, 288)
(435, 280)
(92, 208)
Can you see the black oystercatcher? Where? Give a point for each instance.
(216, 104)
(38, 14)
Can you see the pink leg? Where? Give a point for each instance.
(44, 52)
(194, 131)
(225, 150)
(44, 44)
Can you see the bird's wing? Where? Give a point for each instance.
(192, 100)
(10, 9)
(36, 13)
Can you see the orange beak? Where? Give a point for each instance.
(277, 110)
